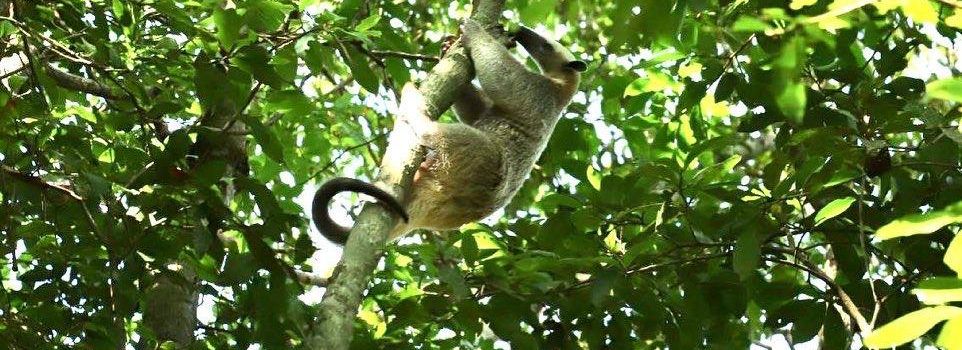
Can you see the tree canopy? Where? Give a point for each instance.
(731, 173)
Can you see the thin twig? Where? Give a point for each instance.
(868, 256)
(12, 72)
(338, 157)
(405, 55)
(56, 46)
(32, 64)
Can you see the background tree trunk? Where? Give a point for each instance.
(170, 310)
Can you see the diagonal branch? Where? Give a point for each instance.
(404, 55)
(77, 83)
(847, 303)
(38, 182)
(338, 310)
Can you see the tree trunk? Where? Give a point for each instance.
(170, 310)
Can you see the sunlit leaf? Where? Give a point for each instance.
(689, 70)
(951, 336)
(373, 319)
(955, 20)
(710, 108)
(910, 326)
(887, 5)
(799, 4)
(939, 290)
(920, 11)
(921, 223)
(833, 209)
(946, 89)
(953, 255)
(832, 24)
(653, 83)
(594, 177)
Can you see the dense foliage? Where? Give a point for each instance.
(718, 182)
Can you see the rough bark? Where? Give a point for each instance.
(170, 308)
(334, 327)
(78, 83)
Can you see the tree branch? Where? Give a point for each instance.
(850, 308)
(310, 278)
(338, 310)
(77, 83)
(405, 55)
(38, 182)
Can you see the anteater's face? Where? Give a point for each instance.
(549, 54)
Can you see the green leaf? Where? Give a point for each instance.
(921, 223)
(209, 172)
(910, 326)
(256, 60)
(266, 138)
(228, 24)
(98, 184)
(692, 94)
(208, 80)
(836, 334)
(636, 87)
(454, 280)
(790, 94)
(292, 102)
(953, 255)
(725, 87)
(537, 11)
(791, 101)
(553, 201)
(755, 122)
(833, 209)
(717, 143)
(951, 336)
(266, 15)
(469, 248)
(749, 24)
(659, 57)
(368, 23)
(946, 89)
(6, 28)
(117, 7)
(238, 268)
(601, 287)
(362, 71)
(747, 254)
(349, 7)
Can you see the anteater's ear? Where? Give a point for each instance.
(578, 65)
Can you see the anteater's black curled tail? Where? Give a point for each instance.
(322, 218)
